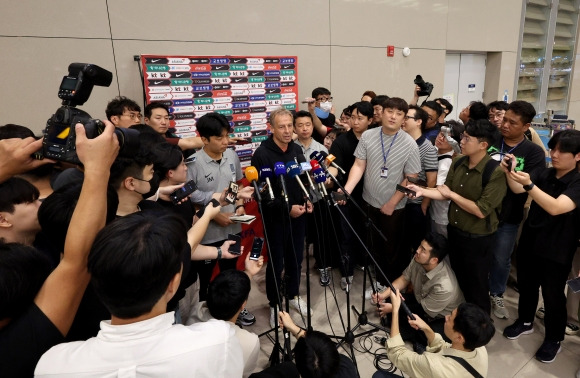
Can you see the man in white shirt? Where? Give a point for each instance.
(135, 266)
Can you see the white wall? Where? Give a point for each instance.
(340, 44)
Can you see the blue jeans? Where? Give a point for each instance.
(502, 251)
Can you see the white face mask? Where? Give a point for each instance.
(326, 106)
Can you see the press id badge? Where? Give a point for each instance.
(384, 172)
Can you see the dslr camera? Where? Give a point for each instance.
(59, 141)
(426, 87)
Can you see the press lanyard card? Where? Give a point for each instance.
(384, 172)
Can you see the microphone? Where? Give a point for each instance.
(315, 165)
(266, 173)
(306, 167)
(293, 171)
(280, 171)
(320, 178)
(329, 160)
(252, 176)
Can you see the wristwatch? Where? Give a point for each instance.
(529, 187)
(219, 250)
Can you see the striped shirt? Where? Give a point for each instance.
(428, 156)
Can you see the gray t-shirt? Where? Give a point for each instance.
(402, 158)
(210, 176)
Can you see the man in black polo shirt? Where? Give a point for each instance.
(549, 240)
(343, 149)
(529, 157)
(473, 210)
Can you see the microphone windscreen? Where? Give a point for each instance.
(292, 169)
(315, 164)
(266, 172)
(319, 176)
(305, 166)
(322, 154)
(251, 173)
(330, 158)
(314, 155)
(279, 169)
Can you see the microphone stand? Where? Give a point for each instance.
(362, 317)
(275, 356)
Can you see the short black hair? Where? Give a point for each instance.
(421, 114)
(23, 270)
(117, 106)
(397, 104)
(434, 106)
(364, 108)
(227, 293)
(316, 355)
(212, 124)
(133, 260)
(320, 91)
(15, 191)
(302, 114)
(124, 167)
(154, 105)
(524, 109)
(379, 100)
(478, 110)
(443, 102)
(56, 211)
(148, 138)
(566, 141)
(474, 325)
(438, 244)
(166, 157)
(11, 130)
(482, 129)
(499, 105)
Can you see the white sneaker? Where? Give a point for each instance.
(299, 305)
(498, 307)
(343, 282)
(379, 289)
(272, 317)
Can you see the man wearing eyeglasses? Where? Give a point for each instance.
(473, 211)
(320, 107)
(432, 127)
(123, 112)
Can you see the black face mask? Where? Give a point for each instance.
(154, 184)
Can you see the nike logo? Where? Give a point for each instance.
(237, 60)
(237, 80)
(207, 176)
(157, 82)
(179, 75)
(155, 60)
(254, 73)
(218, 67)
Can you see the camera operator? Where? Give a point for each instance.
(432, 127)
(123, 112)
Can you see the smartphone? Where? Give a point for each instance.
(183, 192)
(236, 248)
(574, 284)
(256, 251)
(416, 181)
(509, 164)
(338, 196)
(405, 190)
(200, 212)
(232, 193)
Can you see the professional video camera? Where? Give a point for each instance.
(426, 87)
(75, 89)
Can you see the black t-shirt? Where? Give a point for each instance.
(553, 237)
(24, 340)
(343, 150)
(529, 157)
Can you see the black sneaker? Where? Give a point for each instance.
(246, 318)
(548, 351)
(517, 329)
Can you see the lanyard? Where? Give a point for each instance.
(501, 154)
(389, 150)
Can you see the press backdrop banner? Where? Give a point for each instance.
(245, 89)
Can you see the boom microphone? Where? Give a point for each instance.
(280, 171)
(329, 160)
(252, 176)
(266, 173)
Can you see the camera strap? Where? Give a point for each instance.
(466, 365)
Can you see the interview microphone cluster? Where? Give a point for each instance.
(280, 171)
(293, 171)
(326, 159)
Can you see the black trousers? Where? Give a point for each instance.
(391, 256)
(409, 333)
(471, 256)
(535, 272)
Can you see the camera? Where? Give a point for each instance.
(59, 142)
(448, 133)
(426, 87)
